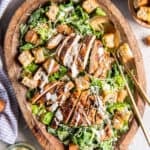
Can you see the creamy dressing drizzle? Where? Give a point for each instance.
(71, 52)
(88, 51)
(52, 97)
(59, 115)
(51, 66)
(54, 106)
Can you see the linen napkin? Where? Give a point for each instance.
(8, 118)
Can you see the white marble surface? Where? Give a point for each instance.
(139, 142)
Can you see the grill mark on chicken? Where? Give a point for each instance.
(66, 109)
(105, 64)
(96, 55)
(81, 104)
(85, 51)
(66, 47)
(59, 49)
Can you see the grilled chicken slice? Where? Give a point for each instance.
(42, 77)
(70, 58)
(31, 37)
(67, 40)
(82, 105)
(52, 12)
(85, 52)
(54, 41)
(78, 118)
(69, 51)
(65, 111)
(51, 66)
(25, 58)
(39, 54)
(96, 54)
(105, 65)
(52, 87)
(30, 83)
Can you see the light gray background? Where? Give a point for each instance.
(139, 142)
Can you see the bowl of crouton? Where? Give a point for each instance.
(140, 10)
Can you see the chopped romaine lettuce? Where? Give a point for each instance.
(76, 17)
(46, 118)
(51, 131)
(31, 68)
(58, 75)
(44, 30)
(37, 17)
(23, 30)
(30, 93)
(100, 12)
(35, 109)
(107, 144)
(117, 106)
(27, 46)
(86, 138)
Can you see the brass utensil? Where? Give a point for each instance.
(136, 111)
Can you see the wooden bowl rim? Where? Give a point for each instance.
(10, 47)
(134, 15)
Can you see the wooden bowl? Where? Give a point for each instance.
(134, 15)
(11, 43)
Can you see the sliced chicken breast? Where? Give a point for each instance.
(67, 40)
(96, 54)
(54, 41)
(85, 52)
(51, 66)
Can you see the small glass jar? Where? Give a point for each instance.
(21, 146)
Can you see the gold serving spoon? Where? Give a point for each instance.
(135, 108)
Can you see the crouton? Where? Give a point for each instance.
(118, 122)
(125, 53)
(144, 14)
(52, 12)
(25, 58)
(89, 5)
(109, 96)
(122, 94)
(64, 29)
(109, 40)
(139, 3)
(31, 37)
(73, 147)
(30, 83)
(120, 118)
(51, 66)
(97, 22)
(39, 55)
